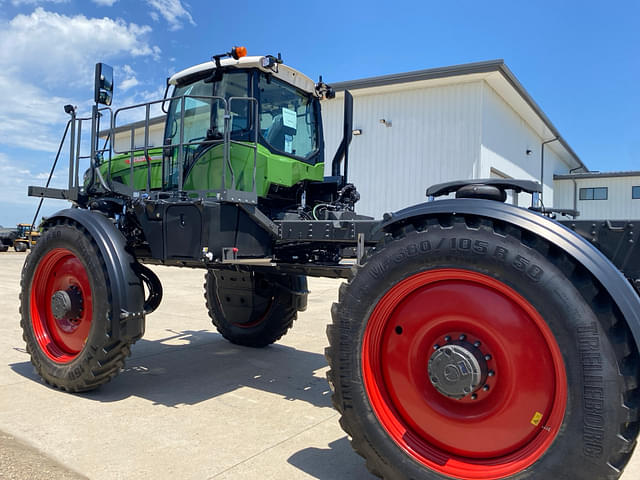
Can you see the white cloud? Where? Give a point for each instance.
(15, 206)
(17, 3)
(28, 114)
(104, 3)
(130, 79)
(15, 178)
(46, 61)
(47, 52)
(173, 11)
(59, 49)
(138, 114)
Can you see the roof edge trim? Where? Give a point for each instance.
(579, 176)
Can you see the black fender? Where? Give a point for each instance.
(127, 292)
(612, 279)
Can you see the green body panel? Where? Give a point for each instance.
(206, 173)
(121, 169)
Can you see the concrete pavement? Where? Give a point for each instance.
(188, 405)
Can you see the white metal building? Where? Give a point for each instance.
(122, 137)
(430, 126)
(600, 196)
(437, 125)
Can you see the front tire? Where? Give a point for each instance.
(551, 389)
(20, 246)
(66, 314)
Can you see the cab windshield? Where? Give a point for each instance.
(204, 117)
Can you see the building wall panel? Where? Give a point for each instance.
(506, 137)
(618, 206)
(434, 137)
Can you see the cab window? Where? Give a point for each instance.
(287, 118)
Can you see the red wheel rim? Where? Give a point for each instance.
(506, 428)
(61, 339)
(255, 322)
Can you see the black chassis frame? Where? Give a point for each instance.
(216, 234)
(207, 233)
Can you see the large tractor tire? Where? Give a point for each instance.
(254, 309)
(469, 349)
(66, 310)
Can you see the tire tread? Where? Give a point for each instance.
(608, 315)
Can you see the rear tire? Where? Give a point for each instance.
(276, 300)
(73, 348)
(561, 399)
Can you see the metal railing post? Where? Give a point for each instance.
(72, 146)
(227, 141)
(255, 141)
(181, 149)
(132, 155)
(77, 159)
(146, 145)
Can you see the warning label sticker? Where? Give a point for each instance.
(537, 417)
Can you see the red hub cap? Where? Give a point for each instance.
(61, 306)
(464, 374)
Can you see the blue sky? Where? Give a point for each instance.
(579, 60)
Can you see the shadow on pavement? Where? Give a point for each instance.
(204, 365)
(337, 461)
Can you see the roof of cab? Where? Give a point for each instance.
(281, 71)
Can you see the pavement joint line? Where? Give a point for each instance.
(271, 447)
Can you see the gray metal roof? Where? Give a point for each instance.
(577, 176)
(455, 71)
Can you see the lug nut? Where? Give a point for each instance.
(447, 339)
(487, 357)
(485, 388)
(436, 346)
(474, 396)
(477, 344)
(462, 337)
(491, 373)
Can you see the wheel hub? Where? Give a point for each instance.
(457, 369)
(67, 304)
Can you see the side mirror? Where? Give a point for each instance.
(103, 91)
